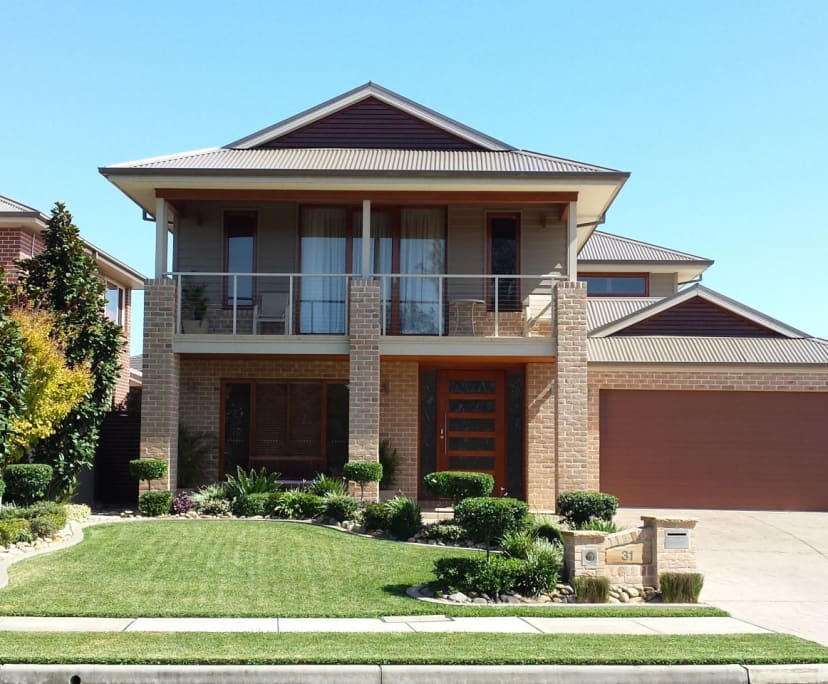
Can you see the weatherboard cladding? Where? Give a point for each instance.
(363, 160)
(603, 310)
(607, 247)
(697, 316)
(371, 123)
(671, 349)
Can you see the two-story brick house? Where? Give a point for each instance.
(21, 227)
(372, 269)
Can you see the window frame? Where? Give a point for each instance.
(226, 302)
(490, 302)
(119, 320)
(620, 276)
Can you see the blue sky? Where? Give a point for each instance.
(718, 109)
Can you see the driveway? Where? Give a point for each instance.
(769, 568)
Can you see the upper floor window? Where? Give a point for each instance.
(115, 303)
(504, 259)
(239, 256)
(616, 285)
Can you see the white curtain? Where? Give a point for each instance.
(422, 252)
(322, 302)
(381, 253)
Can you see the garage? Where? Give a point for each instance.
(715, 449)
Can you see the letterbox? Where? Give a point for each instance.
(676, 538)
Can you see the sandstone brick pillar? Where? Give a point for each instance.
(364, 383)
(159, 396)
(540, 435)
(584, 554)
(575, 468)
(676, 555)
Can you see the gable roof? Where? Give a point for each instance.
(359, 94)
(707, 350)
(726, 303)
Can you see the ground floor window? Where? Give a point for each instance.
(295, 428)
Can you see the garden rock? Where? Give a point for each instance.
(458, 597)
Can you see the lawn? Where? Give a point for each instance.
(244, 569)
(572, 649)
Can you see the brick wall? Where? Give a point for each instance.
(364, 401)
(160, 397)
(399, 411)
(200, 404)
(577, 468)
(15, 244)
(540, 435)
(690, 378)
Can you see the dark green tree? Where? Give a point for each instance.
(13, 379)
(63, 279)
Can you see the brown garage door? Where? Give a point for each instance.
(740, 450)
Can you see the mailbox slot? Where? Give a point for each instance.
(676, 538)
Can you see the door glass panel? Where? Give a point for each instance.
(422, 253)
(471, 463)
(305, 420)
(322, 303)
(471, 405)
(472, 443)
(337, 427)
(236, 426)
(271, 426)
(472, 387)
(471, 424)
(504, 261)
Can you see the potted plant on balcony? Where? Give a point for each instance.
(195, 308)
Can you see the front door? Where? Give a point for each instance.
(471, 423)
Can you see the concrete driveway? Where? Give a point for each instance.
(769, 568)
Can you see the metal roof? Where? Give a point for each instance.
(10, 206)
(604, 310)
(351, 160)
(607, 247)
(741, 350)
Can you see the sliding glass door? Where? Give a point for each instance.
(422, 254)
(323, 250)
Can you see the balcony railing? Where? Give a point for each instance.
(317, 304)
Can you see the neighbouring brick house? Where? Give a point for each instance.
(372, 269)
(20, 238)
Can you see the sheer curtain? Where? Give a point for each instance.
(381, 253)
(322, 300)
(422, 252)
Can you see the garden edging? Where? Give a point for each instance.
(14, 553)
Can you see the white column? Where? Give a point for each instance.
(572, 242)
(161, 236)
(366, 239)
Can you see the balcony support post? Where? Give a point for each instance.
(366, 239)
(572, 242)
(161, 236)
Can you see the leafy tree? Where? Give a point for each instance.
(13, 374)
(63, 279)
(53, 388)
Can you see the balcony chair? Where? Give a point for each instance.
(270, 309)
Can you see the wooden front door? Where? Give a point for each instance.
(471, 423)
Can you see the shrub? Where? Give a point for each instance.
(182, 503)
(155, 503)
(47, 525)
(214, 507)
(207, 493)
(248, 505)
(549, 531)
(362, 472)
(296, 504)
(540, 568)
(404, 519)
(194, 449)
(253, 482)
(486, 518)
(578, 508)
(598, 525)
(14, 530)
(27, 483)
(375, 517)
(324, 484)
(457, 485)
(2, 487)
(339, 506)
(42, 508)
(493, 577)
(389, 461)
(680, 587)
(517, 543)
(445, 532)
(591, 589)
(148, 469)
(78, 512)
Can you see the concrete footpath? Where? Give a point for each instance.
(411, 623)
(414, 674)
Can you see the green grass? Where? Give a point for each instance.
(244, 569)
(122, 648)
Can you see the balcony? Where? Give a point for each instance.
(308, 313)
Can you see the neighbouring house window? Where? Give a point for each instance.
(115, 303)
(297, 428)
(323, 248)
(239, 256)
(504, 259)
(622, 285)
